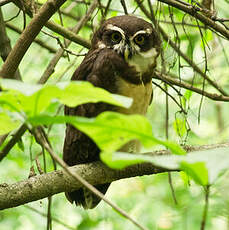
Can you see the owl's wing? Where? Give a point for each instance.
(99, 69)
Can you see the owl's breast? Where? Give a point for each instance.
(140, 93)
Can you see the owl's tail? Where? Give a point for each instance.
(84, 197)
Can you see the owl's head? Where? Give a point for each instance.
(131, 37)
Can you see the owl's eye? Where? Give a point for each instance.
(139, 39)
(116, 37)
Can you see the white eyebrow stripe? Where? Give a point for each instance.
(112, 27)
(147, 31)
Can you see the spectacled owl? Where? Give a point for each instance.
(121, 60)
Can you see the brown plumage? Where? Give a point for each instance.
(117, 63)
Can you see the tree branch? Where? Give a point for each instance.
(41, 138)
(68, 34)
(36, 40)
(51, 66)
(4, 2)
(23, 43)
(194, 11)
(48, 184)
(5, 46)
(173, 81)
(20, 132)
(41, 186)
(182, 54)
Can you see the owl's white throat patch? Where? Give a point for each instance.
(143, 60)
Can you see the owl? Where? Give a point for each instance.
(121, 60)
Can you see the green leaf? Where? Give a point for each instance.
(7, 124)
(199, 165)
(185, 177)
(20, 145)
(197, 171)
(186, 97)
(121, 160)
(188, 94)
(76, 93)
(33, 99)
(111, 130)
(180, 127)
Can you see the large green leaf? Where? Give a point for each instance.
(197, 171)
(33, 99)
(111, 130)
(7, 124)
(203, 166)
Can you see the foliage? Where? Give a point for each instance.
(148, 199)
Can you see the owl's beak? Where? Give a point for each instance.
(128, 53)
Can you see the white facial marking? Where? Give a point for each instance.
(150, 53)
(118, 47)
(147, 31)
(101, 45)
(115, 28)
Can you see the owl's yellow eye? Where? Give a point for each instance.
(116, 37)
(139, 39)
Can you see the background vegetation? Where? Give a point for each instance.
(177, 113)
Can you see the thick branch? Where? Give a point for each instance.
(45, 185)
(31, 31)
(5, 46)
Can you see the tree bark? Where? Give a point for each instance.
(41, 186)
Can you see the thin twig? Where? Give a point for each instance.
(36, 40)
(173, 81)
(172, 97)
(4, 2)
(124, 6)
(13, 141)
(15, 16)
(50, 68)
(205, 211)
(194, 11)
(181, 24)
(172, 188)
(54, 219)
(23, 43)
(182, 54)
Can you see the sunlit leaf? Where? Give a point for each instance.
(199, 165)
(33, 99)
(197, 171)
(122, 160)
(180, 127)
(111, 130)
(7, 124)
